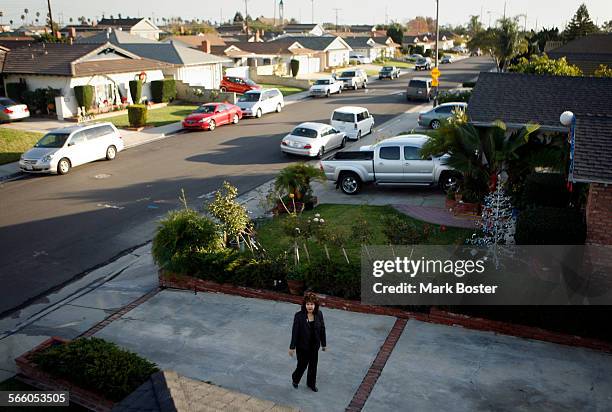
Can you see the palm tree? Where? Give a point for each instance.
(26, 11)
(23, 19)
(503, 43)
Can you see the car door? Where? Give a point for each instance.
(95, 143)
(389, 165)
(77, 149)
(336, 137)
(416, 169)
(266, 101)
(444, 112)
(223, 114)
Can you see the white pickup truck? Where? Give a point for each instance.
(394, 162)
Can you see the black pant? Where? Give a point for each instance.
(306, 359)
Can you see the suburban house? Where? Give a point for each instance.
(142, 27)
(428, 41)
(190, 66)
(304, 29)
(31, 30)
(196, 41)
(519, 99)
(74, 30)
(373, 48)
(231, 29)
(332, 51)
(107, 67)
(586, 52)
(115, 36)
(362, 28)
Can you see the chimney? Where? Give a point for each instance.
(205, 47)
(72, 33)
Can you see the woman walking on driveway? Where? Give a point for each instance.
(308, 335)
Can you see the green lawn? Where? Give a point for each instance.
(157, 117)
(340, 218)
(398, 64)
(285, 90)
(13, 384)
(14, 142)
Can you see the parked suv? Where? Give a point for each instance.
(389, 72)
(60, 150)
(354, 79)
(419, 88)
(355, 122)
(255, 103)
(237, 85)
(423, 63)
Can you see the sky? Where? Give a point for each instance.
(541, 12)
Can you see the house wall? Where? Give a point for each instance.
(206, 75)
(599, 214)
(309, 64)
(337, 58)
(146, 30)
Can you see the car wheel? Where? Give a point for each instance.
(435, 124)
(365, 85)
(279, 108)
(111, 153)
(223, 89)
(63, 166)
(327, 93)
(340, 90)
(258, 113)
(359, 135)
(321, 152)
(355, 86)
(343, 144)
(371, 127)
(350, 183)
(212, 125)
(236, 119)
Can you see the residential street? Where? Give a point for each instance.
(55, 228)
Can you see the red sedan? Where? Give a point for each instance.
(210, 115)
(237, 85)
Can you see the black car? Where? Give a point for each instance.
(388, 72)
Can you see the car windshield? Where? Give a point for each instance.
(250, 82)
(322, 82)
(206, 109)
(417, 84)
(421, 61)
(249, 97)
(6, 102)
(347, 74)
(304, 132)
(387, 69)
(52, 140)
(343, 117)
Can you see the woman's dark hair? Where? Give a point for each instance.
(308, 298)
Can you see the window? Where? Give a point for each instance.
(274, 93)
(421, 84)
(344, 117)
(445, 109)
(361, 116)
(249, 97)
(304, 132)
(412, 153)
(6, 102)
(100, 131)
(52, 140)
(390, 153)
(79, 137)
(207, 108)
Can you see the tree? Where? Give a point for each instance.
(607, 27)
(502, 43)
(603, 71)
(238, 18)
(580, 25)
(396, 32)
(474, 26)
(544, 65)
(540, 38)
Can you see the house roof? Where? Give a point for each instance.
(115, 37)
(362, 28)
(3, 52)
(13, 44)
(586, 52)
(269, 48)
(80, 28)
(70, 60)
(593, 148)
(299, 28)
(317, 43)
(195, 41)
(519, 99)
(362, 42)
(127, 23)
(173, 53)
(230, 28)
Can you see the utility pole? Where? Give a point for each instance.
(337, 10)
(246, 13)
(437, 28)
(312, 10)
(489, 13)
(505, 9)
(50, 18)
(274, 13)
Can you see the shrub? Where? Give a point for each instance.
(181, 237)
(97, 365)
(84, 96)
(400, 231)
(545, 189)
(550, 226)
(462, 96)
(136, 90)
(296, 179)
(163, 91)
(16, 90)
(40, 99)
(137, 115)
(331, 277)
(295, 67)
(231, 214)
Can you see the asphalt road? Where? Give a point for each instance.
(56, 228)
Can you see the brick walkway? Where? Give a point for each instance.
(436, 215)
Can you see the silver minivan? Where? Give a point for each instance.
(419, 88)
(354, 121)
(255, 103)
(62, 149)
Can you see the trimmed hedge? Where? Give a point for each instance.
(295, 67)
(137, 115)
(545, 189)
(447, 97)
(136, 90)
(163, 91)
(97, 365)
(16, 90)
(84, 96)
(550, 226)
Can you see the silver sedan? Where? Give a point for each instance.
(10, 110)
(435, 116)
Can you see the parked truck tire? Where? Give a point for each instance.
(350, 183)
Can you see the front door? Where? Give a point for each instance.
(416, 169)
(389, 166)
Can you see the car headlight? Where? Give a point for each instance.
(46, 158)
(21, 157)
(203, 120)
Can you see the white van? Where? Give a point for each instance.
(355, 122)
(62, 149)
(255, 103)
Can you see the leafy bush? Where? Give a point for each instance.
(550, 226)
(181, 237)
(97, 365)
(403, 232)
(296, 179)
(163, 91)
(462, 96)
(331, 277)
(16, 90)
(137, 115)
(545, 189)
(84, 96)
(40, 100)
(231, 214)
(136, 90)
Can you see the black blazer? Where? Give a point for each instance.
(300, 334)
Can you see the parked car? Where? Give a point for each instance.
(433, 118)
(210, 115)
(459, 49)
(394, 161)
(354, 121)
(359, 58)
(313, 140)
(256, 103)
(423, 64)
(326, 87)
(237, 85)
(62, 149)
(11, 110)
(388, 72)
(447, 59)
(414, 57)
(419, 88)
(353, 79)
